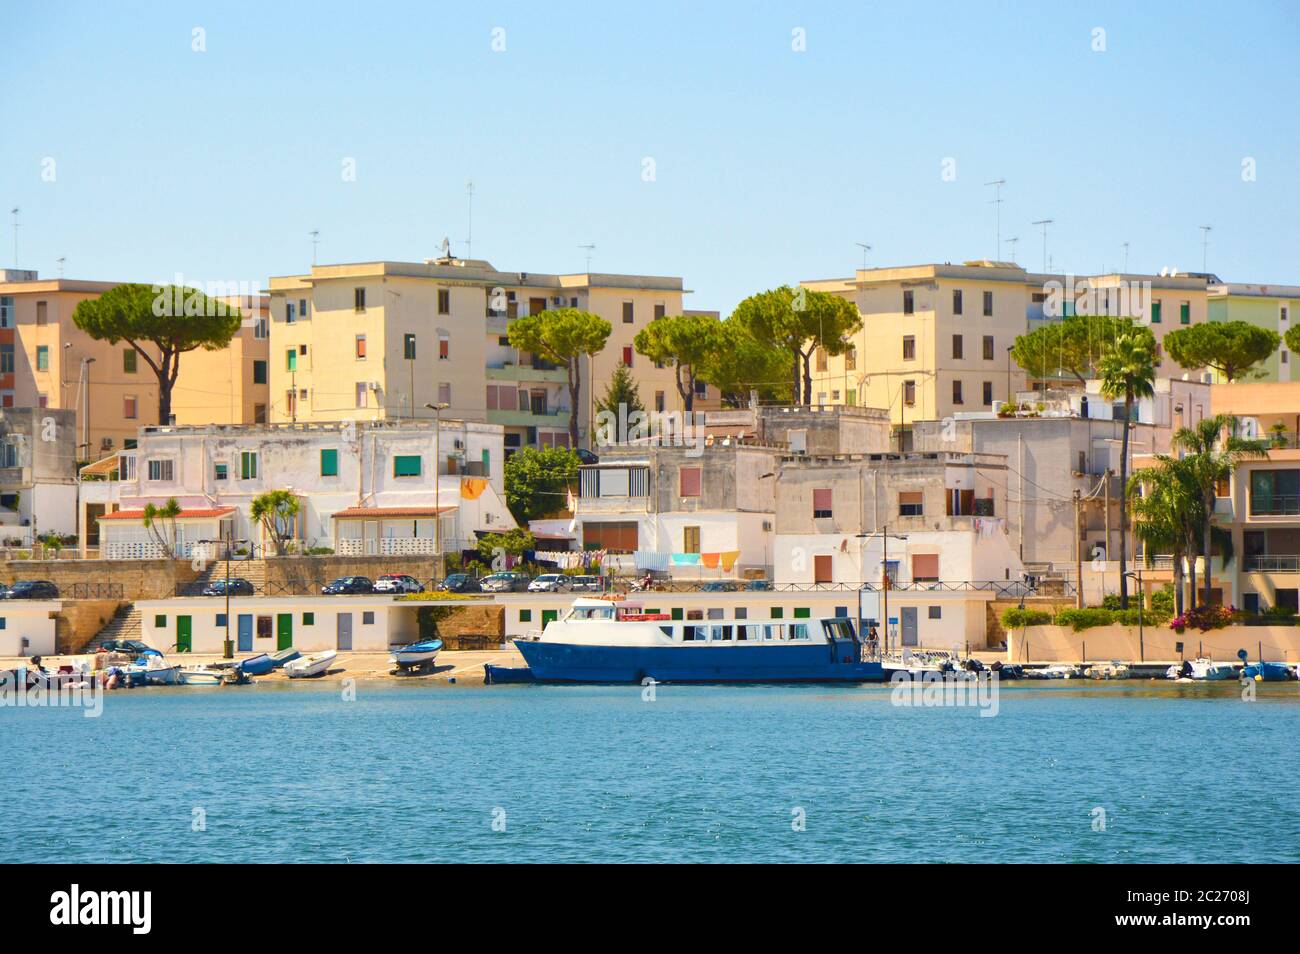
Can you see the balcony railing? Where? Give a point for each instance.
(1275, 505)
(1273, 563)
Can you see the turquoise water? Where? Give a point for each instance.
(419, 773)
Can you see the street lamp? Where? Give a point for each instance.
(437, 410)
(85, 428)
(228, 650)
(1137, 575)
(884, 535)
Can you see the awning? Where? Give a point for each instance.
(379, 513)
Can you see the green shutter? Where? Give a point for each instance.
(802, 612)
(406, 466)
(1185, 313)
(309, 619)
(42, 357)
(1155, 313)
(777, 612)
(525, 616)
(128, 361)
(259, 372)
(248, 465)
(329, 462)
(677, 612)
(291, 359)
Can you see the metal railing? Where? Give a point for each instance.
(1273, 563)
(1275, 505)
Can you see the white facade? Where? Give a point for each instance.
(387, 467)
(27, 627)
(961, 556)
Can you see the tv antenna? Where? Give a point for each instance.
(865, 249)
(315, 240)
(590, 249)
(1012, 242)
(1205, 244)
(997, 202)
(61, 259)
(469, 231)
(14, 212)
(1124, 246)
(1044, 223)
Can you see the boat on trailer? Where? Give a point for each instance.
(417, 655)
(615, 640)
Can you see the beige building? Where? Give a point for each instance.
(46, 361)
(936, 339)
(378, 340)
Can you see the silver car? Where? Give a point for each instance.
(549, 583)
(505, 583)
(586, 584)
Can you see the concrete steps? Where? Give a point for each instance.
(125, 624)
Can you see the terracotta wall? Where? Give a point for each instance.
(1061, 644)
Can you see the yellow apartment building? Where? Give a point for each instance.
(46, 361)
(1274, 307)
(377, 340)
(936, 339)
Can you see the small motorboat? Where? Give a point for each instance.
(417, 655)
(278, 659)
(1110, 670)
(308, 667)
(496, 675)
(1269, 672)
(258, 665)
(159, 673)
(1054, 672)
(202, 676)
(1201, 670)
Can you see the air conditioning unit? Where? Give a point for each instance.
(106, 443)
(767, 525)
(374, 386)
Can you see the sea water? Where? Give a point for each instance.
(1065, 772)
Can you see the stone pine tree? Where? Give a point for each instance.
(563, 336)
(622, 399)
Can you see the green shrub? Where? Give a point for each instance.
(438, 596)
(1080, 619)
(1017, 618)
(1149, 617)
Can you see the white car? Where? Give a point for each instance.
(549, 583)
(398, 583)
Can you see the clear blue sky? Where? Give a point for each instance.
(769, 164)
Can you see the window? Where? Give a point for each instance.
(248, 465)
(627, 313)
(444, 301)
(618, 536)
(627, 356)
(406, 465)
(909, 504)
(162, 470)
(291, 403)
(360, 347)
(259, 372)
(850, 358)
(1185, 313)
(925, 568)
(130, 407)
(822, 502)
(1283, 356)
(288, 313)
(909, 393)
(42, 357)
(361, 393)
(265, 627)
(444, 347)
(701, 387)
(6, 359)
(659, 402)
(160, 621)
(690, 539)
(988, 393)
(956, 392)
(956, 301)
(220, 471)
(525, 616)
(988, 347)
(221, 619)
(329, 462)
(303, 311)
(988, 304)
(291, 360)
(408, 347)
(359, 299)
(935, 612)
(957, 347)
(444, 393)
(909, 303)
(368, 618)
(1275, 492)
(1282, 313)
(909, 348)
(1155, 313)
(259, 413)
(688, 481)
(6, 311)
(776, 612)
(659, 310)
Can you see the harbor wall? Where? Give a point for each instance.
(1037, 644)
(139, 579)
(307, 574)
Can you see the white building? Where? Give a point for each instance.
(38, 473)
(364, 488)
(27, 627)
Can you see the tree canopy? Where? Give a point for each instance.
(622, 393)
(564, 336)
(744, 364)
(172, 318)
(1230, 347)
(537, 481)
(275, 510)
(799, 321)
(1072, 346)
(690, 343)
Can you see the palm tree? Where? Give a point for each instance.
(1128, 371)
(1166, 509)
(1213, 453)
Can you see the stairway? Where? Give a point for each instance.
(125, 624)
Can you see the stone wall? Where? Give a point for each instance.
(307, 574)
(139, 579)
(996, 634)
(80, 621)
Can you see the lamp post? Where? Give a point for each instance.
(228, 649)
(1137, 575)
(437, 410)
(884, 535)
(85, 427)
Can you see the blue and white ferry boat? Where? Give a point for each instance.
(615, 640)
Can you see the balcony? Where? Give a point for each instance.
(498, 325)
(1274, 505)
(555, 420)
(1273, 563)
(527, 373)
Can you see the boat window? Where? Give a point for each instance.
(775, 631)
(667, 631)
(695, 614)
(591, 612)
(688, 633)
(799, 631)
(721, 634)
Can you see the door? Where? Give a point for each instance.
(283, 630)
(549, 616)
(372, 537)
(908, 614)
(184, 634)
(822, 572)
(344, 631)
(245, 632)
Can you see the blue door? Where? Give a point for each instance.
(245, 632)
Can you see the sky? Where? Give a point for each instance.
(739, 146)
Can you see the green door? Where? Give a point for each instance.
(283, 630)
(184, 635)
(549, 616)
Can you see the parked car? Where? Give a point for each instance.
(720, 586)
(512, 582)
(235, 586)
(32, 590)
(586, 584)
(586, 457)
(461, 583)
(549, 583)
(348, 585)
(128, 647)
(398, 583)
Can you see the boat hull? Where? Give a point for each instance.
(256, 665)
(569, 662)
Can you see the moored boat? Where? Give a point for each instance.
(1110, 670)
(1201, 670)
(1054, 672)
(417, 655)
(308, 667)
(1269, 672)
(615, 640)
(200, 676)
(279, 659)
(258, 665)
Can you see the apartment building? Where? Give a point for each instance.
(936, 339)
(47, 362)
(381, 340)
(231, 385)
(38, 473)
(1273, 307)
(364, 488)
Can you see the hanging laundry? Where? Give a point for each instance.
(686, 559)
(710, 559)
(729, 558)
(471, 488)
(650, 560)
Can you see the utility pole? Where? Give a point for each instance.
(1078, 552)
